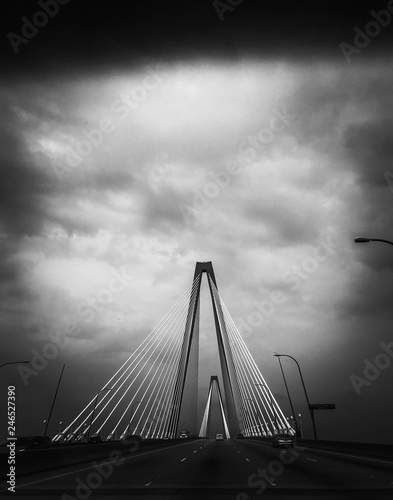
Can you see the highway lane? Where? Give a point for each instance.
(236, 469)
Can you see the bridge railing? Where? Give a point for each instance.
(62, 455)
(365, 449)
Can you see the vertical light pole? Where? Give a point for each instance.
(300, 426)
(289, 396)
(53, 402)
(137, 403)
(94, 409)
(60, 426)
(305, 392)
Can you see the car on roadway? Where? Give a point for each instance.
(219, 437)
(184, 434)
(283, 440)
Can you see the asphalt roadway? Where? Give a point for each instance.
(229, 469)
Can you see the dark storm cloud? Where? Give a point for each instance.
(22, 186)
(370, 146)
(85, 35)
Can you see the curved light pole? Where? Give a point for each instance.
(94, 409)
(367, 240)
(289, 397)
(14, 363)
(305, 392)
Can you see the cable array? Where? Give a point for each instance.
(145, 394)
(257, 410)
(141, 396)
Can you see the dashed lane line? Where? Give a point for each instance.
(152, 481)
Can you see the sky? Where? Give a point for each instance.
(135, 143)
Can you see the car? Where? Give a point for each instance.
(184, 434)
(219, 437)
(283, 440)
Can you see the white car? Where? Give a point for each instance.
(219, 437)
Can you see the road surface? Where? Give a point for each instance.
(229, 469)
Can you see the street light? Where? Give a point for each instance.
(289, 397)
(92, 415)
(305, 392)
(367, 240)
(14, 363)
(300, 425)
(131, 414)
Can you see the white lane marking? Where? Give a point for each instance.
(182, 460)
(353, 456)
(311, 460)
(195, 451)
(152, 481)
(247, 459)
(92, 466)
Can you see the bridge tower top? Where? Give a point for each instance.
(205, 267)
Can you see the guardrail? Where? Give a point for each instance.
(348, 447)
(61, 455)
(365, 449)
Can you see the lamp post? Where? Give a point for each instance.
(94, 409)
(132, 413)
(14, 363)
(367, 240)
(305, 392)
(300, 426)
(289, 396)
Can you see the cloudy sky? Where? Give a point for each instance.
(138, 142)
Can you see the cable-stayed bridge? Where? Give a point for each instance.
(151, 391)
